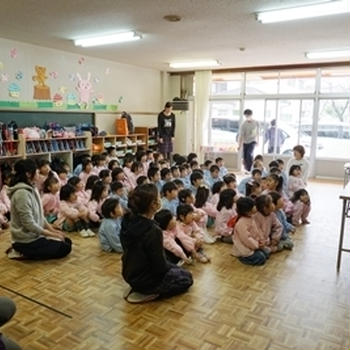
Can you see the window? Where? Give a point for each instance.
(333, 134)
(261, 83)
(224, 125)
(297, 82)
(226, 84)
(335, 80)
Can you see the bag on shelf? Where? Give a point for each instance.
(121, 127)
(130, 123)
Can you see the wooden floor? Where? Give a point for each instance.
(296, 301)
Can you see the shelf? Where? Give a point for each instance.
(38, 154)
(9, 157)
(8, 141)
(57, 138)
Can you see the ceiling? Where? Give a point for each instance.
(209, 29)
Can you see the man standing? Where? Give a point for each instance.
(249, 137)
(273, 134)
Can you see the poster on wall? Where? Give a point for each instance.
(41, 90)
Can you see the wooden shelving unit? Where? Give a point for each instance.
(151, 136)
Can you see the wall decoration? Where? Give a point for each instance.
(58, 100)
(41, 90)
(53, 75)
(71, 77)
(120, 99)
(14, 90)
(84, 89)
(13, 53)
(4, 77)
(98, 99)
(19, 75)
(96, 80)
(81, 60)
(63, 90)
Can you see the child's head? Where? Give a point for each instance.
(183, 171)
(214, 171)
(163, 164)
(301, 195)
(264, 205)
(170, 190)
(295, 170)
(202, 196)
(111, 151)
(86, 165)
(113, 164)
(101, 160)
(196, 179)
(263, 183)
(219, 162)
(179, 184)
(175, 172)
(68, 193)
(76, 182)
(253, 189)
(153, 174)
(194, 165)
(280, 163)
(186, 196)
(66, 166)
(144, 199)
(277, 200)
(218, 187)
(258, 164)
(111, 208)
(141, 156)
(149, 154)
(230, 181)
(44, 167)
(62, 173)
(273, 164)
(165, 174)
(165, 219)
(275, 170)
(185, 213)
(90, 182)
(128, 160)
(256, 174)
(207, 164)
(259, 157)
(117, 188)
(180, 160)
(274, 182)
(137, 168)
(99, 191)
(141, 180)
(157, 157)
(191, 157)
(105, 176)
(245, 206)
(118, 174)
(226, 199)
(51, 185)
(6, 177)
(298, 152)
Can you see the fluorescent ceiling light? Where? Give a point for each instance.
(317, 10)
(328, 54)
(194, 64)
(107, 39)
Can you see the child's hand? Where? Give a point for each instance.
(293, 229)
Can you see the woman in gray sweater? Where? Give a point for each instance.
(32, 236)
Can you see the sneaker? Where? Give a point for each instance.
(180, 262)
(139, 298)
(84, 233)
(14, 254)
(90, 233)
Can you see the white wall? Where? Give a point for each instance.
(140, 88)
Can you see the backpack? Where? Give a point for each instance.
(129, 122)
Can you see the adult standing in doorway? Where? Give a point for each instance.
(166, 130)
(248, 137)
(274, 133)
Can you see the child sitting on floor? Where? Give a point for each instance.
(51, 199)
(118, 191)
(169, 200)
(177, 245)
(247, 240)
(109, 231)
(300, 209)
(98, 196)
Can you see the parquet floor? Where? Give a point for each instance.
(296, 301)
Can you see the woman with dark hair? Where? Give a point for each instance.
(33, 237)
(166, 130)
(145, 267)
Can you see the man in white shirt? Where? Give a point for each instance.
(249, 137)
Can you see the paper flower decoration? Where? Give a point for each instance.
(98, 100)
(96, 80)
(58, 100)
(81, 60)
(71, 77)
(120, 99)
(63, 90)
(19, 75)
(13, 53)
(4, 77)
(53, 75)
(14, 90)
(71, 99)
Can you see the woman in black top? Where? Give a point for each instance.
(166, 130)
(145, 267)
